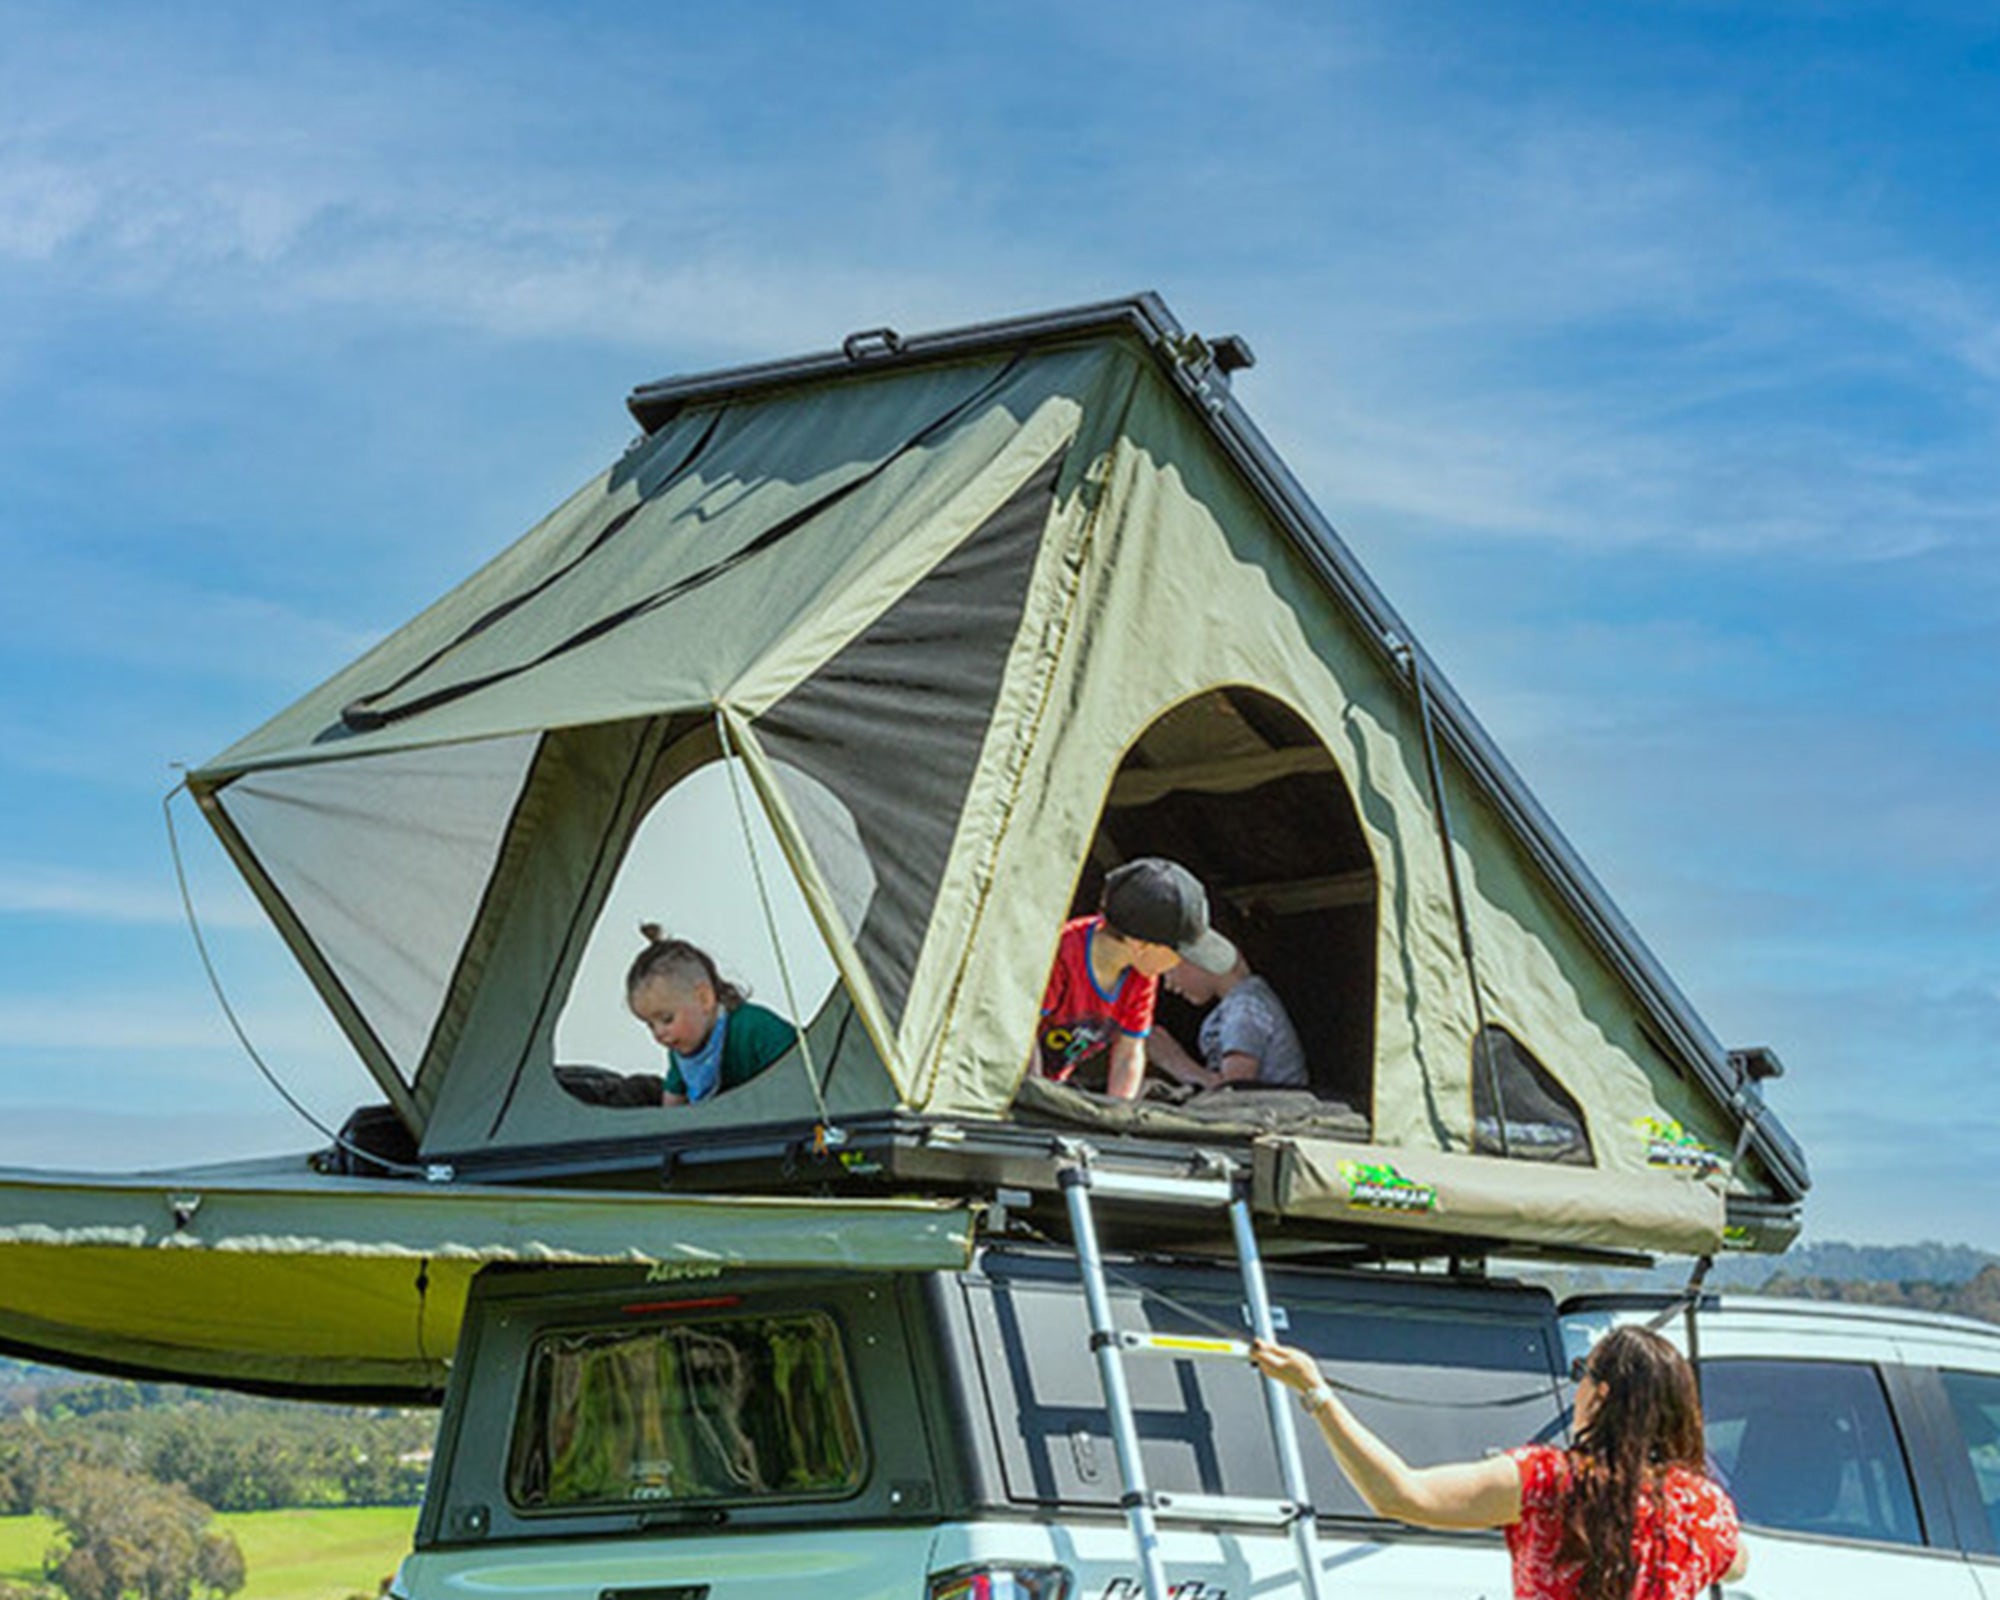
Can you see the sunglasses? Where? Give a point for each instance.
(1579, 1369)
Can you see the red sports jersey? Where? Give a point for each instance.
(1683, 1540)
(1079, 1020)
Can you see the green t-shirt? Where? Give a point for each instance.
(755, 1039)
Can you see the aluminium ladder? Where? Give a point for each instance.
(1080, 1181)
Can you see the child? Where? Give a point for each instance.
(715, 1038)
(1098, 1006)
(1247, 1037)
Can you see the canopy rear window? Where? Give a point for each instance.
(698, 1410)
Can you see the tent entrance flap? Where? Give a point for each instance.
(622, 825)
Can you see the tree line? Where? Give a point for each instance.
(230, 1453)
(123, 1536)
(133, 1474)
(1978, 1296)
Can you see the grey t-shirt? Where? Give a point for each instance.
(1250, 1020)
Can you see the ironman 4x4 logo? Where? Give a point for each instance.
(1668, 1144)
(1377, 1186)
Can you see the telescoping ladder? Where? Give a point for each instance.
(1082, 1179)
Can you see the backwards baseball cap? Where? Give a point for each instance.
(1161, 902)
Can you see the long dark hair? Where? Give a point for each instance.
(681, 962)
(1647, 1421)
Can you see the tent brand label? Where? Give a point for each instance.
(1670, 1145)
(682, 1271)
(1377, 1186)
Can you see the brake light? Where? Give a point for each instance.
(989, 1581)
(713, 1302)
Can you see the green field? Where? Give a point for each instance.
(291, 1555)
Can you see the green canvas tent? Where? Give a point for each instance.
(981, 614)
(977, 616)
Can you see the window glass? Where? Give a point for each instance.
(1809, 1447)
(1449, 1382)
(1975, 1401)
(735, 1409)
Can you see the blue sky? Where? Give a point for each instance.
(1648, 354)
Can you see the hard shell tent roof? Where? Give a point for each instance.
(947, 598)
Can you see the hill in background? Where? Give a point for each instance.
(1834, 1262)
(1930, 1276)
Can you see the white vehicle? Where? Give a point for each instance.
(742, 1436)
(1861, 1444)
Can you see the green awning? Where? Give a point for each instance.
(270, 1276)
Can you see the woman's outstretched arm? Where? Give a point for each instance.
(1460, 1494)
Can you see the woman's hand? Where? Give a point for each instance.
(1293, 1368)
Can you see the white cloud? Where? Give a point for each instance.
(116, 900)
(1480, 252)
(44, 206)
(183, 1024)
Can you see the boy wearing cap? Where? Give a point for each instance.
(1098, 1006)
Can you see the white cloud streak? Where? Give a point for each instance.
(1489, 243)
(178, 1024)
(116, 901)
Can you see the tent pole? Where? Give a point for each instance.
(729, 760)
(1482, 1039)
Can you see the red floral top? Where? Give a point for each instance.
(1684, 1539)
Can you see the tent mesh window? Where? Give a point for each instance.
(1236, 786)
(706, 1410)
(1544, 1122)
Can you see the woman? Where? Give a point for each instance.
(1625, 1513)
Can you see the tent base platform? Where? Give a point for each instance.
(1315, 1191)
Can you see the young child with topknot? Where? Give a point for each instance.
(715, 1036)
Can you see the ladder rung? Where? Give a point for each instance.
(1186, 1344)
(1225, 1508)
(1148, 1186)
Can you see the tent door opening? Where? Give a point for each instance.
(1237, 787)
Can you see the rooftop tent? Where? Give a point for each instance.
(975, 615)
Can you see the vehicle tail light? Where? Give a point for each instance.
(1000, 1581)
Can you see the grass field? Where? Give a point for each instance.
(291, 1555)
